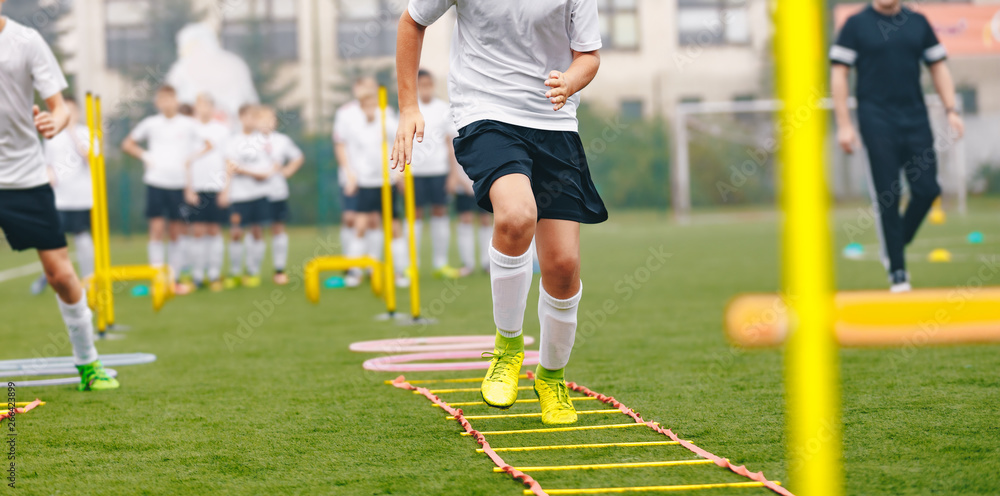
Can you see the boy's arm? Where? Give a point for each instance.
(53, 121)
(581, 72)
(292, 167)
(409, 43)
(945, 86)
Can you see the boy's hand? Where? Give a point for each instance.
(560, 91)
(411, 127)
(191, 197)
(44, 123)
(223, 199)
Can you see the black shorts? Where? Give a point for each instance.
(253, 212)
(554, 161)
(164, 203)
(74, 221)
(207, 211)
(29, 219)
(430, 190)
(348, 203)
(370, 201)
(278, 211)
(467, 203)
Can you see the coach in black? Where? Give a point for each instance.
(887, 42)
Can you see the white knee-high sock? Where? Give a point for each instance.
(418, 235)
(198, 255)
(354, 245)
(237, 251)
(84, 253)
(346, 233)
(188, 248)
(255, 255)
(485, 240)
(157, 254)
(279, 251)
(374, 243)
(400, 255)
(80, 326)
(216, 248)
(558, 324)
(466, 245)
(440, 239)
(175, 257)
(510, 277)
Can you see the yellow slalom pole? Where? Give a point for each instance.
(390, 279)
(563, 429)
(95, 218)
(529, 415)
(529, 400)
(607, 466)
(582, 446)
(409, 197)
(468, 390)
(653, 489)
(463, 379)
(106, 287)
(811, 361)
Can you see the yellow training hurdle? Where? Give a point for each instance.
(315, 267)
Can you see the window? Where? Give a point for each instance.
(970, 100)
(619, 24)
(631, 110)
(713, 22)
(367, 28)
(128, 36)
(265, 29)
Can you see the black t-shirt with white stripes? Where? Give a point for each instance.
(887, 51)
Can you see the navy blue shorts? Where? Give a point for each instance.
(467, 203)
(279, 211)
(164, 203)
(554, 161)
(430, 190)
(74, 221)
(370, 201)
(348, 203)
(29, 220)
(253, 212)
(207, 211)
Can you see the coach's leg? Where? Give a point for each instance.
(921, 174)
(886, 189)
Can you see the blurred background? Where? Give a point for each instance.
(680, 117)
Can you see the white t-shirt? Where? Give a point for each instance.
(208, 172)
(282, 150)
(70, 168)
(431, 157)
(502, 53)
(346, 117)
(364, 148)
(26, 64)
(247, 151)
(172, 142)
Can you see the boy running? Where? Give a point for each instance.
(173, 140)
(206, 181)
(287, 159)
(28, 215)
(250, 167)
(517, 141)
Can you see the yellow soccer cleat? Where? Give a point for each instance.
(251, 281)
(553, 397)
(499, 388)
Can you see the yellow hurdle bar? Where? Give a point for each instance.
(536, 414)
(653, 489)
(318, 265)
(811, 362)
(583, 446)
(606, 466)
(389, 272)
(562, 429)
(467, 390)
(529, 400)
(463, 379)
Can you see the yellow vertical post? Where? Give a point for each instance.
(811, 357)
(411, 218)
(95, 217)
(107, 289)
(390, 280)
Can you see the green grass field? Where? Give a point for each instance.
(288, 409)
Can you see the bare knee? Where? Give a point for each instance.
(61, 277)
(515, 225)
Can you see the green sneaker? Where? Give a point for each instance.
(553, 397)
(499, 388)
(93, 377)
(447, 272)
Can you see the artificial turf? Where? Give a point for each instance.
(281, 406)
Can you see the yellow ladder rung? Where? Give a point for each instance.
(468, 390)
(650, 489)
(537, 414)
(584, 446)
(563, 429)
(602, 466)
(26, 403)
(464, 379)
(529, 400)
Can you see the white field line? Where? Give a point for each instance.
(24, 270)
